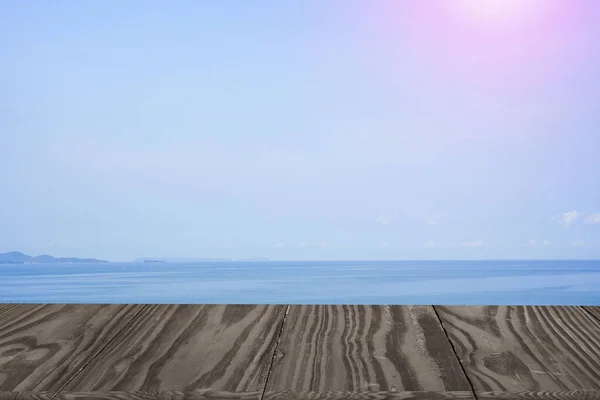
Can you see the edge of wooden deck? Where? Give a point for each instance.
(295, 352)
(287, 395)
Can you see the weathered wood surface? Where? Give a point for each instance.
(364, 348)
(166, 395)
(556, 395)
(187, 347)
(320, 352)
(373, 395)
(534, 349)
(559, 395)
(41, 346)
(219, 395)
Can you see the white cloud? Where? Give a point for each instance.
(324, 244)
(432, 220)
(280, 245)
(593, 218)
(383, 245)
(568, 218)
(382, 220)
(429, 244)
(546, 243)
(303, 244)
(532, 242)
(577, 243)
(477, 243)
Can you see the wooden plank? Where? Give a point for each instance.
(42, 345)
(561, 395)
(167, 395)
(365, 348)
(333, 395)
(555, 395)
(187, 347)
(526, 348)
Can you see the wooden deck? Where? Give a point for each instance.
(257, 352)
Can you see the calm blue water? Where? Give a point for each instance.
(356, 282)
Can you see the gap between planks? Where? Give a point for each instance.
(277, 340)
(99, 351)
(591, 314)
(455, 353)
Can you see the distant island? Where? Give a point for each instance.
(154, 261)
(15, 257)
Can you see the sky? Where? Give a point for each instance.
(312, 130)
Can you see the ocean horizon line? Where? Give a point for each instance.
(362, 260)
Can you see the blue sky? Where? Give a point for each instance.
(308, 130)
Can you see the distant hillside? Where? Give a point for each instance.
(15, 257)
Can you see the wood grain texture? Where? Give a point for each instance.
(556, 395)
(188, 347)
(536, 349)
(219, 395)
(42, 345)
(331, 395)
(167, 395)
(364, 348)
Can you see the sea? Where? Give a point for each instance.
(558, 282)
